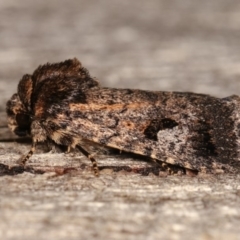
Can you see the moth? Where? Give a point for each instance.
(62, 103)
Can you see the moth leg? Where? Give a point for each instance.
(89, 156)
(54, 147)
(68, 149)
(25, 158)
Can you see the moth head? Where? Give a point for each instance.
(18, 108)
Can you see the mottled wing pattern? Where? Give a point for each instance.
(168, 126)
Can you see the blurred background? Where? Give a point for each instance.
(167, 45)
(156, 44)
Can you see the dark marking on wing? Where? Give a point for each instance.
(156, 125)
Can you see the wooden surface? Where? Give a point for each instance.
(167, 45)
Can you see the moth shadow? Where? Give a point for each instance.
(155, 167)
(15, 170)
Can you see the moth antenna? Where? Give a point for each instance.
(89, 156)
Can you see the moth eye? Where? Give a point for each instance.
(23, 120)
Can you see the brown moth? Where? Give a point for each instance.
(62, 103)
